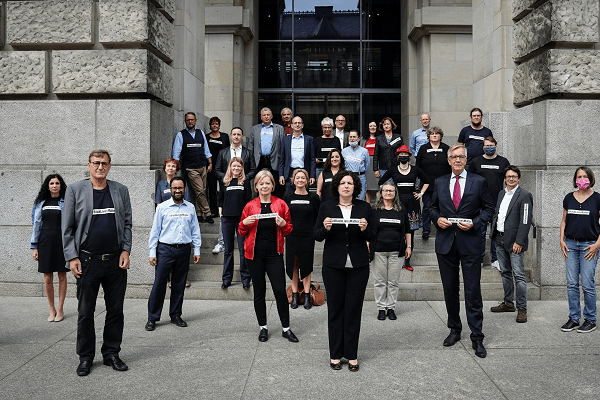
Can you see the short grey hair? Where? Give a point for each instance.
(456, 146)
(327, 121)
(266, 109)
(284, 109)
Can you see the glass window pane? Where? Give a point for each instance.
(312, 108)
(275, 61)
(378, 106)
(326, 19)
(326, 65)
(381, 19)
(276, 102)
(381, 65)
(272, 19)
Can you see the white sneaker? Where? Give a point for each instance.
(496, 265)
(218, 248)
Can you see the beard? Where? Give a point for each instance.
(475, 123)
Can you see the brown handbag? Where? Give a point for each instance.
(317, 296)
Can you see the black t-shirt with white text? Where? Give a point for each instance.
(493, 172)
(102, 236)
(473, 140)
(581, 223)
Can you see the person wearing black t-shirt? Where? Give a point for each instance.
(216, 142)
(300, 245)
(579, 243)
(96, 237)
(389, 249)
(324, 144)
(491, 166)
(335, 163)
(232, 198)
(473, 135)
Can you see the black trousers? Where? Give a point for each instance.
(345, 296)
(471, 271)
(212, 182)
(177, 262)
(270, 263)
(230, 225)
(114, 282)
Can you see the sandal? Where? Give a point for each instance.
(336, 366)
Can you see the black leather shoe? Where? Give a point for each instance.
(179, 322)
(246, 286)
(289, 335)
(263, 336)
(201, 219)
(150, 325)
(295, 299)
(209, 219)
(84, 368)
(452, 339)
(307, 303)
(353, 368)
(336, 366)
(480, 351)
(116, 363)
(224, 286)
(381, 315)
(391, 314)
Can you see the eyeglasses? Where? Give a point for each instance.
(190, 120)
(296, 123)
(177, 189)
(457, 157)
(97, 164)
(511, 177)
(475, 116)
(340, 120)
(388, 191)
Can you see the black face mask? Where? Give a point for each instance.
(404, 159)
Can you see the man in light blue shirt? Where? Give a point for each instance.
(265, 144)
(419, 137)
(297, 151)
(357, 160)
(174, 229)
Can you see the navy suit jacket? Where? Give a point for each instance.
(285, 158)
(475, 204)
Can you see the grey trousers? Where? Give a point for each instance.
(386, 278)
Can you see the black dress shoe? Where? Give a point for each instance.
(263, 336)
(336, 366)
(246, 286)
(480, 351)
(150, 325)
(201, 219)
(179, 322)
(295, 300)
(381, 315)
(225, 286)
(353, 368)
(452, 339)
(289, 335)
(391, 314)
(209, 219)
(307, 303)
(116, 363)
(84, 368)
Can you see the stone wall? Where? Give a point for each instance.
(23, 72)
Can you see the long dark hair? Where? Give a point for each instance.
(327, 166)
(44, 192)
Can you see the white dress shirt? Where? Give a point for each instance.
(462, 181)
(504, 208)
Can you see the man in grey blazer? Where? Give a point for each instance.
(510, 231)
(265, 144)
(96, 233)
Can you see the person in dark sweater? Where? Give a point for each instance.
(473, 135)
(217, 141)
(324, 144)
(389, 249)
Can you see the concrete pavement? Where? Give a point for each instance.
(218, 355)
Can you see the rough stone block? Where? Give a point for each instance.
(111, 71)
(61, 132)
(136, 21)
(521, 7)
(23, 72)
(50, 21)
(167, 7)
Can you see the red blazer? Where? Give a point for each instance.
(249, 231)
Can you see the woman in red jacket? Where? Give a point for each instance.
(264, 222)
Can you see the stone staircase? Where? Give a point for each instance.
(423, 283)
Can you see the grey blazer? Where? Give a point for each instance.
(518, 218)
(254, 144)
(77, 216)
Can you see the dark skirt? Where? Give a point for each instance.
(304, 247)
(50, 251)
(413, 209)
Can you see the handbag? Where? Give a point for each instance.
(317, 296)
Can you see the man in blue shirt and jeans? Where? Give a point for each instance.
(174, 229)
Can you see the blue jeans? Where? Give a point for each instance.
(511, 264)
(363, 191)
(426, 218)
(492, 244)
(230, 225)
(577, 265)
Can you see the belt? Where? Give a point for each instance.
(360, 173)
(176, 245)
(499, 233)
(103, 257)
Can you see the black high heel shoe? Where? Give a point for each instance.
(295, 300)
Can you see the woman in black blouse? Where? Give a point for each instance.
(232, 198)
(432, 159)
(389, 249)
(346, 225)
(300, 245)
(405, 177)
(216, 141)
(333, 164)
(385, 147)
(579, 243)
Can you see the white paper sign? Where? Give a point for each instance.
(457, 220)
(265, 216)
(490, 166)
(578, 212)
(351, 221)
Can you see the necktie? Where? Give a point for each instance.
(456, 193)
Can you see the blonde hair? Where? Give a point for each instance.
(297, 171)
(229, 174)
(261, 174)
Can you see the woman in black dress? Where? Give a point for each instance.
(300, 245)
(335, 162)
(216, 142)
(346, 224)
(405, 177)
(46, 241)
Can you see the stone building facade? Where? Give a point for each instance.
(82, 74)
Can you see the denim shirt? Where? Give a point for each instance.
(36, 220)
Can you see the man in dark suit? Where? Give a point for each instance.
(340, 131)
(510, 231)
(460, 205)
(96, 232)
(235, 150)
(296, 152)
(265, 145)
